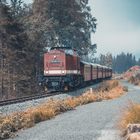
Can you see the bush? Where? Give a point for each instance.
(135, 79)
(125, 88)
(108, 85)
(131, 115)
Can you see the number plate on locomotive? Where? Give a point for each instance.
(54, 84)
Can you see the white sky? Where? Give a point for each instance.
(118, 26)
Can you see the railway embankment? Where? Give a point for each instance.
(24, 119)
(21, 106)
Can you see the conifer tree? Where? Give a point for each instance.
(14, 54)
(70, 23)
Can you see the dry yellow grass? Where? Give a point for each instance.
(130, 116)
(28, 118)
(115, 93)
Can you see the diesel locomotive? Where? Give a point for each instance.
(64, 70)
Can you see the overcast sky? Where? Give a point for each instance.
(118, 26)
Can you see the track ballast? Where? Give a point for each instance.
(27, 98)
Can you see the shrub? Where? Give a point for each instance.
(108, 85)
(131, 115)
(135, 79)
(125, 88)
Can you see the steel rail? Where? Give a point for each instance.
(27, 98)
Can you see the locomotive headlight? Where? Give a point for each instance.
(63, 71)
(46, 72)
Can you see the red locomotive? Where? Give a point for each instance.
(63, 70)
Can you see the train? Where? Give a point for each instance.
(64, 70)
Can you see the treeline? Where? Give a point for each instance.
(26, 31)
(123, 62)
(120, 63)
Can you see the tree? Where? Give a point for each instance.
(5, 50)
(109, 60)
(26, 32)
(19, 10)
(70, 20)
(120, 63)
(105, 60)
(3, 2)
(123, 62)
(15, 64)
(16, 8)
(138, 62)
(56, 23)
(90, 56)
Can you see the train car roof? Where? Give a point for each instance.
(98, 65)
(92, 64)
(87, 63)
(95, 65)
(104, 66)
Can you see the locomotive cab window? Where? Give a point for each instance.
(67, 50)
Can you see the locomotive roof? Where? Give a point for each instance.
(64, 48)
(67, 50)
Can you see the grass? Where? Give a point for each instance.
(28, 118)
(130, 116)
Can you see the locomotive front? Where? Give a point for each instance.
(60, 67)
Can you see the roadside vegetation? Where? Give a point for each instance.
(131, 115)
(135, 79)
(130, 122)
(132, 75)
(28, 118)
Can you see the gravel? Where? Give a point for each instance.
(95, 121)
(5, 110)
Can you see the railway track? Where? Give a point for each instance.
(28, 98)
(33, 97)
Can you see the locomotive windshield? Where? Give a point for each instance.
(67, 50)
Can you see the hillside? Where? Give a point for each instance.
(133, 75)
